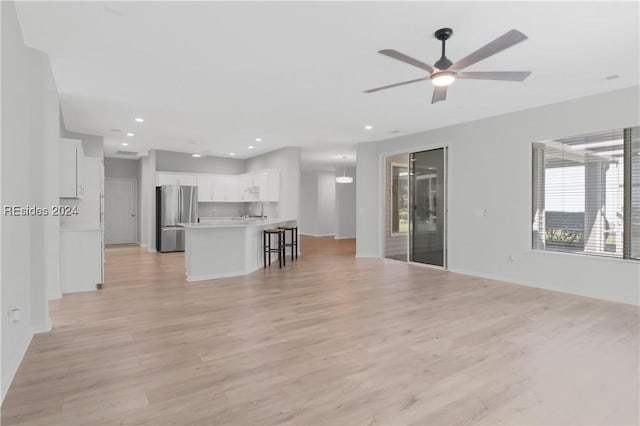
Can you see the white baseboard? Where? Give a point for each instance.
(206, 277)
(42, 328)
(56, 296)
(345, 238)
(316, 235)
(367, 256)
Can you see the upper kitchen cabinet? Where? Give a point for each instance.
(263, 185)
(269, 183)
(205, 187)
(71, 161)
(176, 179)
(226, 188)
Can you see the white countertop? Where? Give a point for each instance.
(234, 223)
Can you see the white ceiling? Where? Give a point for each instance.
(292, 73)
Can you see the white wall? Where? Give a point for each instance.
(147, 191)
(327, 207)
(287, 160)
(368, 209)
(122, 168)
(169, 161)
(308, 220)
(345, 206)
(326, 203)
(490, 168)
(318, 203)
(29, 149)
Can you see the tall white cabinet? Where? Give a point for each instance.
(81, 224)
(71, 168)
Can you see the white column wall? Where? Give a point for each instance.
(29, 178)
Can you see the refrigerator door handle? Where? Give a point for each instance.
(179, 204)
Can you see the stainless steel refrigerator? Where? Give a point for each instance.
(174, 204)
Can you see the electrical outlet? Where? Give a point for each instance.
(512, 258)
(14, 315)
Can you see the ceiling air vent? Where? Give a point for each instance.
(126, 153)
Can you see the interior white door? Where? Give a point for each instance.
(120, 211)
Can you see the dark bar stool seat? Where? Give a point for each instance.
(293, 240)
(268, 249)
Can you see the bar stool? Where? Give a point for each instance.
(294, 240)
(267, 249)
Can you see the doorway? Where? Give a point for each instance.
(427, 207)
(120, 199)
(415, 207)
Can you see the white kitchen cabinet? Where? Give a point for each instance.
(263, 185)
(226, 188)
(269, 182)
(248, 189)
(205, 187)
(71, 162)
(176, 179)
(80, 259)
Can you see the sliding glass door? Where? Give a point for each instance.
(427, 207)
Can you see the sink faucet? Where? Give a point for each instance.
(262, 210)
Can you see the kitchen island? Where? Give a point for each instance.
(225, 247)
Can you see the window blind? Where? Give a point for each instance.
(578, 194)
(633, 136)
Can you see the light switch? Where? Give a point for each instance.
(14, 315)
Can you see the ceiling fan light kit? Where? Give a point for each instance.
(443, 78)
(444, 72)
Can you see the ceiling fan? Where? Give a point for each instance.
(444, 72)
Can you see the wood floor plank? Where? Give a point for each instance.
(329, 339)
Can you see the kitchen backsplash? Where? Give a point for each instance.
(213, 209)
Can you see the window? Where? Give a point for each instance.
(586, 194)
(399, 199)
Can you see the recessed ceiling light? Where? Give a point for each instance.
(131, 134)
(139, 119)
(251, 147)
(124, 144)
(196, 155)
(258, 139)
(368, 127)
(232, 153)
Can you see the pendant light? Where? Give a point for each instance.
(344, 178)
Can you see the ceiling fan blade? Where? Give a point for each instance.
(407, 59)
(495, 75)
(501, 43)
(439, 94)
(396, 84)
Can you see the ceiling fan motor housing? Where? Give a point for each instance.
(443, 35)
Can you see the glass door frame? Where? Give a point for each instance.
(445, 210)
(381, 202)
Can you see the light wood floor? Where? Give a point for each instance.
(329, 340)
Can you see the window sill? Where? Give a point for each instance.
(584, 256)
